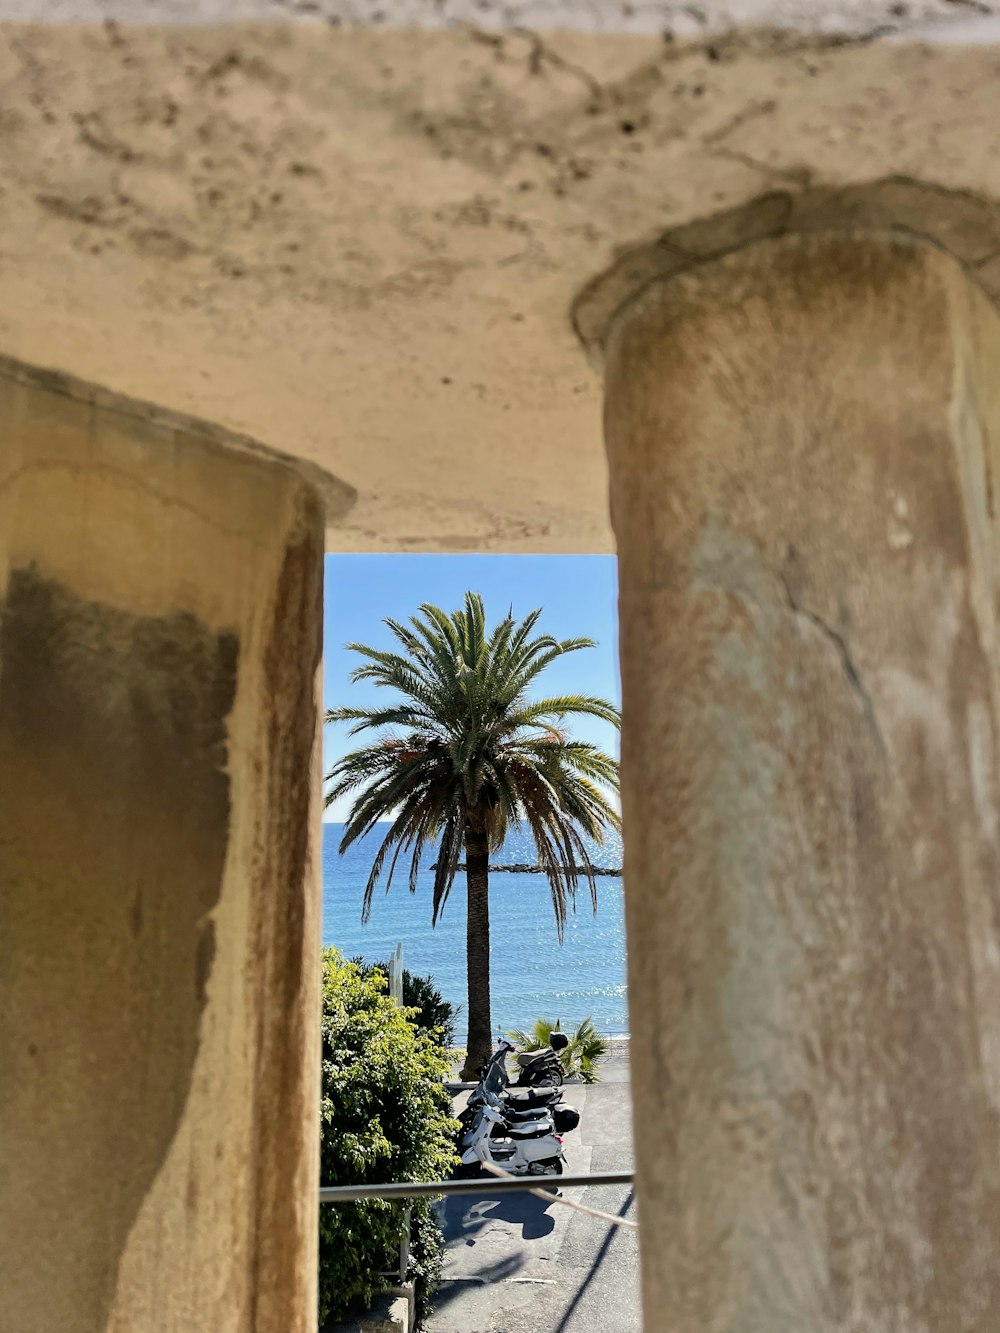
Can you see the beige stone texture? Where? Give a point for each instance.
(966, 225)
(674, 18)
(160, 595)
(804, 438)
(378, 250)
(362, 245)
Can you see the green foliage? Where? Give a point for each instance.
(426, 1254)
(580, 1058)
(434, 1015)
(386, 1116)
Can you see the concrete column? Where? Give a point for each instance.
(804, 440)
(160, 595)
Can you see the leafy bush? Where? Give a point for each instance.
(580, 1058)
(426, 1254)
(435, 1015)
(385, 1117)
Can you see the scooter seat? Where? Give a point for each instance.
(534, 1130)
(529, 1059)
(519, 1115)
(530, 1098)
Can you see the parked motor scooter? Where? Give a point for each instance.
(494, 1075)
(507, 1134)
(524, 1143)
(494, 1084)
(522, 1147)
(538, 1069)
(543, 1068)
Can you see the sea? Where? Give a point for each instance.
(532, 975)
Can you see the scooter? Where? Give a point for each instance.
(495, 1129)
(494, 1077)
(564, 1118)
(538, 1069)
(497, 1080)
(542, 1069)
(529, 1147)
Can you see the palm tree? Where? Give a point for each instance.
(460, 756)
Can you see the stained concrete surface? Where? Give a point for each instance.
(678, 17)
(361, 245)
(518, 1265)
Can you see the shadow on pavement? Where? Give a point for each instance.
(462, 1221)
(452, 1287)
(578, 1295)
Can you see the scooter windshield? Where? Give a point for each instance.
(494, 1080)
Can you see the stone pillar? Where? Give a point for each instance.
(160, 595)
(804, 439)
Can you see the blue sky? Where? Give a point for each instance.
(577, 594)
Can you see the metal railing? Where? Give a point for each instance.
(509, 1185)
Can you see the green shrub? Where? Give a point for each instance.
(580, 1058)
(426, 1254)
(386, 1116)
(435, 1015)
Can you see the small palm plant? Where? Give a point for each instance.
(580, 1058)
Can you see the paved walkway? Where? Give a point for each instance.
(516, 1264)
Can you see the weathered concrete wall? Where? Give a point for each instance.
(362, 245)
(964, 224)
(804, 438)
(660, 17)
(161, 608)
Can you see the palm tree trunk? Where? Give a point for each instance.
(477, 945)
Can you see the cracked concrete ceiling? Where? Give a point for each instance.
(361, 244)
(681, 18)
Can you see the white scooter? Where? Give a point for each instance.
(522, 1147)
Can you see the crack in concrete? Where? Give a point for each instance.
(741, 118)
(541, 52)
(840, 647)
(977, 6)
(801, 176)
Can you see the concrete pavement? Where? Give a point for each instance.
(516, 1264)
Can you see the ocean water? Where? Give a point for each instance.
(531, 974)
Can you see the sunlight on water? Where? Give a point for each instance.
(532, 975)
